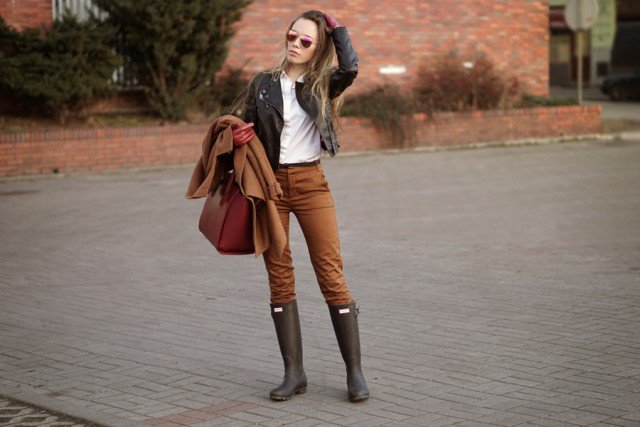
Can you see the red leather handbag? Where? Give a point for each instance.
(227, 218)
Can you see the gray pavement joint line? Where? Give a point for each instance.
(133, 359)
(35, 397)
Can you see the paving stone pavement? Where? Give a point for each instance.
(498, 286)
(18, 414)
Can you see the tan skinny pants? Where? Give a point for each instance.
(307, 195)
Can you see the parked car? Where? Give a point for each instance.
(622, 87)
(624, 83)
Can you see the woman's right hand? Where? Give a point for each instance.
(242, 134)
(332, 23)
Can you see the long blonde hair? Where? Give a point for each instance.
(319, 68)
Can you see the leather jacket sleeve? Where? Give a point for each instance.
(347, 70)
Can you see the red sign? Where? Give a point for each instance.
(556, 18)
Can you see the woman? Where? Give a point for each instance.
(291, 109)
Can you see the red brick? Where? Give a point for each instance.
(201, 415)
(97, 150)
(180, 419)
(514, 35)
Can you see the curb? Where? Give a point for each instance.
(629, 135)
(35, 397)
(508, 143)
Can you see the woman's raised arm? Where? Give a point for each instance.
(347, 69)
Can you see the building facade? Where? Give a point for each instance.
(392, 37)
(26, 13)
(599, 42)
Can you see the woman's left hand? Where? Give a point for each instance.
(242, 134)
(331, 22)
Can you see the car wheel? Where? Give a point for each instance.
(617, 94)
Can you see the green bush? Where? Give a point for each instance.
(172, 48)
(57, 71)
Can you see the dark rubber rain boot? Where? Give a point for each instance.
(287, 323)
(345, 323)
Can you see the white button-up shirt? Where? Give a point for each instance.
(300, 139)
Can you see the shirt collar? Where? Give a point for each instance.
(300, 79)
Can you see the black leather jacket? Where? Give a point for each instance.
(264, 102)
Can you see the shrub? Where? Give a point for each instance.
(446, 84)
(172, 48)
(56, 71)
(226, 87)
(384, 105)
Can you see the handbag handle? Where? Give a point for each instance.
(230, 180)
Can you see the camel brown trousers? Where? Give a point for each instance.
(306, 194)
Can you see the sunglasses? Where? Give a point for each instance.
(305, 41)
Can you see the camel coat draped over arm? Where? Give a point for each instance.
(253, 174)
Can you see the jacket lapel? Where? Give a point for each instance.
(274, 94)
(306, 102)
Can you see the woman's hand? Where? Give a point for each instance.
(331, 22)
(242, 134)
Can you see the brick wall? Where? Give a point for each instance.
(513, 33)
(26, 13)
(385, 33)
(98, 149)
(109, 149)
(448, 128)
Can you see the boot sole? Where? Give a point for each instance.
(358, 398)
(301, 390)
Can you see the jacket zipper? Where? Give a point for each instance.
(274, 107)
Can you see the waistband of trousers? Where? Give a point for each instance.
(293, 165)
